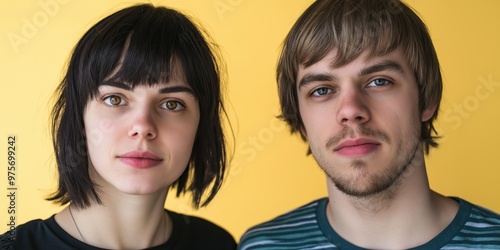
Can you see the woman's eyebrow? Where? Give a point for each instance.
(116, 84)
(176, 89)
(165, 90)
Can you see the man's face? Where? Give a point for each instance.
(362, 120)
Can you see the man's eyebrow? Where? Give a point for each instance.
(309, 78)
(382, 66)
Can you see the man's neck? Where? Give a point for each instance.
(404, 216)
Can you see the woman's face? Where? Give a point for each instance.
(140, 140)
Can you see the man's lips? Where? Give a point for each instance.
(140, 159)
(356, 147)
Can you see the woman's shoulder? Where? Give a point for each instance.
(31, 231)
(193, 232)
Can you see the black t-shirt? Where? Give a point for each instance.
(189, 232)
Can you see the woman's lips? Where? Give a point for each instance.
(140, 159)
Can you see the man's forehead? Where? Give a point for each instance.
(330, 60)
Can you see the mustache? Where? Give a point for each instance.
(360, 131)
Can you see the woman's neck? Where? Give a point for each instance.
(122, 221)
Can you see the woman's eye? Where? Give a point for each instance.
(172, 105)
(378, 83)
(321, 91)
(114, 100)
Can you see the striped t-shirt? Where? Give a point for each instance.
(307, 227)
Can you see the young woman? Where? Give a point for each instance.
(138, 113)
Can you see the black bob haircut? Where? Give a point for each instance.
(147, 41)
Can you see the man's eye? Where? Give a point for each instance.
(172, 105)
(114, 100)
(321, 91)
(378, 83)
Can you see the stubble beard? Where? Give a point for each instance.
(362, 183)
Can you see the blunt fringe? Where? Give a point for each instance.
(351, 27)
(146, 41)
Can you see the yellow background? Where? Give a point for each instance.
(270, 172)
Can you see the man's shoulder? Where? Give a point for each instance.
(298, 223)
(478, 227)
(484, 213)
(483, 219)
(477, 213)
(303, 213)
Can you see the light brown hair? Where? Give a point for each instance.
(351, 27)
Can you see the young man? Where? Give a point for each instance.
(360, 81)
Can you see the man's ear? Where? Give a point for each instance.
(428, 112)
(303, 132)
